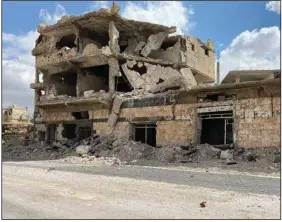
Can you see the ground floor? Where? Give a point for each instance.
(248, 118)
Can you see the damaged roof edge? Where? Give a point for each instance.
(103, 14)
(228, 77)
(236, 85)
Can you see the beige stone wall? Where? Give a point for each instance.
(256, 119)
(175, 132)
(179, 131)
(65, 114)
(122, 129)
(258, 122)
(152, 111)
(57, 116)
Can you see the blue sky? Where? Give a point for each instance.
(216, 20)
(246, 34)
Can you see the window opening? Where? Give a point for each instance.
(145, 134)
(81, 115)
(216, 128)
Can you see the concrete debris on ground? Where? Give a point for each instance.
(108, 150)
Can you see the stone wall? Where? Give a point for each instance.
(256, 118)
(177, 124)
(258, 122)
(175, 132)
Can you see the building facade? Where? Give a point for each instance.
(100, 73)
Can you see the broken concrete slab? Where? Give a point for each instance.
(88, 93)
(133, 77)
(171, 54)
(82, 149)
(140, 64)
(171, 83)
(226, 154)
(189, 78)
(106, 51)
(130, 63)
(139, 47)
(154, 42)
(132, 44)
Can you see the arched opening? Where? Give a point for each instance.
(66, 41)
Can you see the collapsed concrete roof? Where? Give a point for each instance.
(98, 21)
(250, 75)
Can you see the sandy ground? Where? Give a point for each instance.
(34, 193)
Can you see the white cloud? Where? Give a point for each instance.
(258, 49)
(48, 18)
(169, 13)
(18, 64)
(96, 5)
(18, 69)
(273, 6)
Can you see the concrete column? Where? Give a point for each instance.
(113, 71)
(111, 82)
(217, 72)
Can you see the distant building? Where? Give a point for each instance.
(15, 120)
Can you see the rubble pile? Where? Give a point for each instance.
(107, 150)
(30, 150)
(108, 146)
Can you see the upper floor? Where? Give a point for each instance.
(91, 39)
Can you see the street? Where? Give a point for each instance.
(46, 190)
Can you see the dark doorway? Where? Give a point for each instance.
(69, 131)
(41, 136)
(84, 132)
(51, 133)
(145, 134)
(213, 131)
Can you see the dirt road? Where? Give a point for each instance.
(49, 193)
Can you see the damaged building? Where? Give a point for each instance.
(101, 73)
(15, 121)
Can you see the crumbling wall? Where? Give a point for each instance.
(86, 39)
(44, 45)
(57, 57)
(62, 84)
(57, 116)
(121, 130)
(170, 54)
(142, 75)
(199, 58)
(176, 124)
